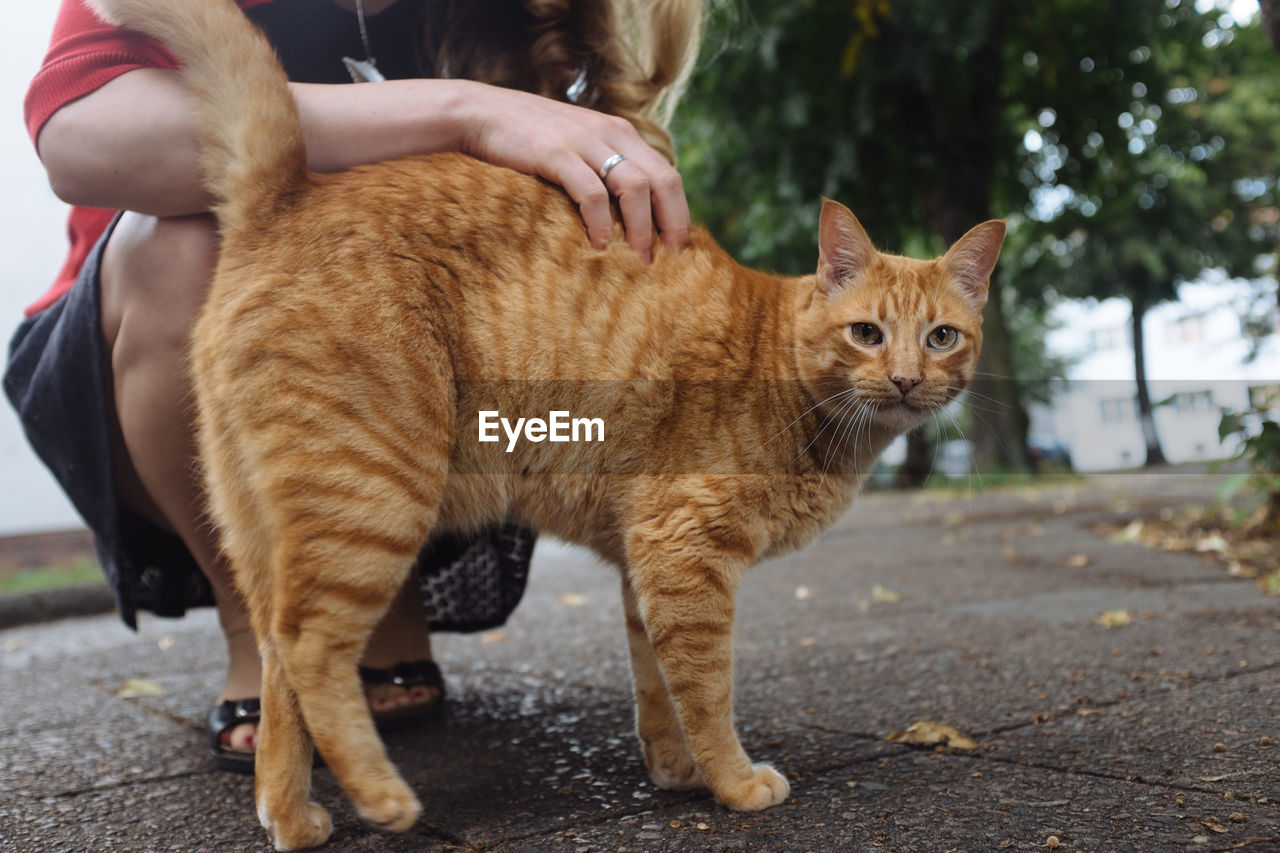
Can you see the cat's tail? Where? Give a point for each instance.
(251, 137)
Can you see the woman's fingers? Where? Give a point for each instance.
(663, 187)
(569, 145)
(630, 185)
(585, 187)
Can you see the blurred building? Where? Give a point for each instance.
(1201, 359)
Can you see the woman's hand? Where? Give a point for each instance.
(568, 145)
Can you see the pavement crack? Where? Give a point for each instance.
(1094, 774)
(124, 784)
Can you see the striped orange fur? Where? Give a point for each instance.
(359, 322)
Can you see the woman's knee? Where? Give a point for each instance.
(155, 275)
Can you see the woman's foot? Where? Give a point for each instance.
(402, 637)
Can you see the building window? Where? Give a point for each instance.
(1193, 401)
(1118, 410)
(1105, 339)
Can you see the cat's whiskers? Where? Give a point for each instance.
(850, 396)
(862, 419)
(973, 464)
(970, 393)
(838, 418)
(802, 415)
(849, 421)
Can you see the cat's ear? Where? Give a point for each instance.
(844, 249)
(970, 262)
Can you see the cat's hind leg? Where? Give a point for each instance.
(330, 593)
(283, 757)
(348, 468)
(284, 767)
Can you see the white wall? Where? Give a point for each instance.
(32, 220)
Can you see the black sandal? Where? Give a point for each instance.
(418, 673)
(226, 716)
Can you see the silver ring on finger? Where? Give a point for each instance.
(609, 164)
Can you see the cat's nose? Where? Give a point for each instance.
(904, 383)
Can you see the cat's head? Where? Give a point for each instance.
(888, 339)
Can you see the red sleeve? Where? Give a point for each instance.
(84, 54)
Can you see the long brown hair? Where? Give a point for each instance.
(624, 57)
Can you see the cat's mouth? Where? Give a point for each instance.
(902, 412)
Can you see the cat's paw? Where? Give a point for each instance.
(671, 767)
(310, 827)
(394, 808)
(764, 788)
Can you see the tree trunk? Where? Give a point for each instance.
(999, 432)
(953, 204)
(1271, 20)
(1155, 456)
(915, 469)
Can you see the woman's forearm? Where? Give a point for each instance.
(133, 143)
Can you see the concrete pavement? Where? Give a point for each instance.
(984, 612)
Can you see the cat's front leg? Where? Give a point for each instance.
(662, 739)
(684, 598)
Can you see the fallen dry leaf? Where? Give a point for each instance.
(1130, 534)
(135, 687)
(926, 733)
(488, 638)
(572, 599)
(1238, 569)
(1212, 542)
(884, 595)
(1214, 824)
(1113, 618)
(1078, 561)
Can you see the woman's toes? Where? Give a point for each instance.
(241, 738)
(387, 697)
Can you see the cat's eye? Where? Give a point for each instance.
(867, 334)
(943, 337)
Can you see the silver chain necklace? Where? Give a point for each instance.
(363, 70)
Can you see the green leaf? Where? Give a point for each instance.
(1228, 488)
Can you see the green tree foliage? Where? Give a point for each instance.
(1258, 432)
(1179, 180)
(1081, 120)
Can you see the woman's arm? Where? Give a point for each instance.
(132, 144)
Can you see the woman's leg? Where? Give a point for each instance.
(155, 274)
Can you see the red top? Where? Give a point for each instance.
(85, 54)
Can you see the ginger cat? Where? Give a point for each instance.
(359, 323)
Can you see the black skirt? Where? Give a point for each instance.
(59, 381)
